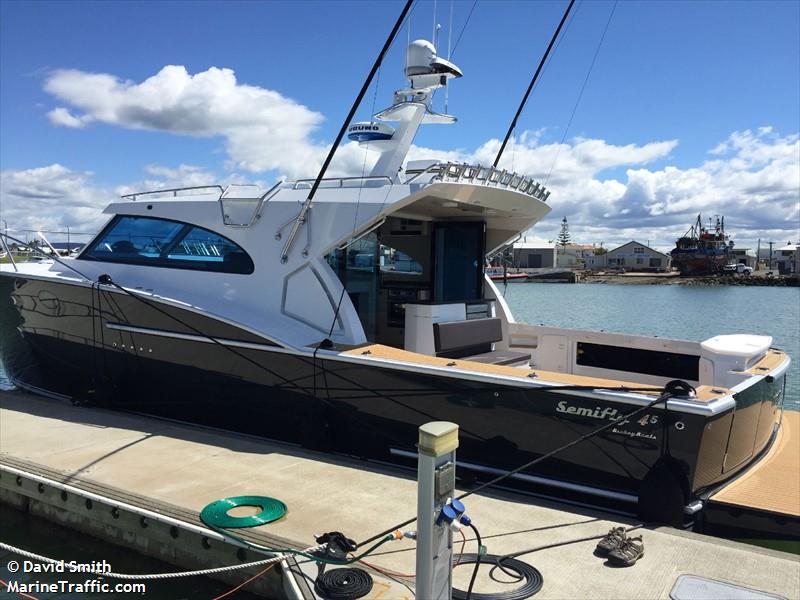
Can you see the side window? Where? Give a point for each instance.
(137, 239)
(163, 243)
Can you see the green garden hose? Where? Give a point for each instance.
(216, 514)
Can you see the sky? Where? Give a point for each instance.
(646, 114)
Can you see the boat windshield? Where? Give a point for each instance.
(164, 243)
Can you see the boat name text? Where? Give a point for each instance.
(594, 413)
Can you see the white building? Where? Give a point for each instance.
(573, 256)
(632, 256)
(786, 259)
(744, 256)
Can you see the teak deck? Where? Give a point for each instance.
(705, 393)
(772, 484)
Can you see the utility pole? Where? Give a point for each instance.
(758, 254)
(769, 264)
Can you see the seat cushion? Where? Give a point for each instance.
(452, 335)
(501, 357)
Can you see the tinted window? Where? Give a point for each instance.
(162, 243)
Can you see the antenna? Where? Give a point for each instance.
(449, 46)
(533, 82)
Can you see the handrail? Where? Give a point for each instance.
(341, 180)
(451, 172)
(8, 252)
(261, 200)
(173, 191)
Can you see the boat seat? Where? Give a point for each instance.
(472, 340)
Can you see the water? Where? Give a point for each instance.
(673, 311)
(40, 536)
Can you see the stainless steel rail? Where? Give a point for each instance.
(451, 172)
(173, 191)
(340, 180)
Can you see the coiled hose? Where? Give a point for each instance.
(343, 584)
(533, 578)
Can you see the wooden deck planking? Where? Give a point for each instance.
(705, 393)
(773, 484)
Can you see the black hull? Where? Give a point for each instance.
(85, 345)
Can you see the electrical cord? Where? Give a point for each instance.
(531, 575)
(477, 560)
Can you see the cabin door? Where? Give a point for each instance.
(458, 257)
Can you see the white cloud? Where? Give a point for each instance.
(263, 129)
(752, 177)
(753, 180)
(54, 198)
(50, 198)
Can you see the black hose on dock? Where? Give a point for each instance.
(343, 584)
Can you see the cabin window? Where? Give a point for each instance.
(164, 243)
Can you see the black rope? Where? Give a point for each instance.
(533, 82)
(671, 389)
(106, 280)
(343, 584)
(580, 94)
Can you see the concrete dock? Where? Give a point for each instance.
(175, 470)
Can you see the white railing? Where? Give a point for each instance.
(217, 189)
(237, 210)
(489, 176)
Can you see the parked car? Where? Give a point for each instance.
(739, 268)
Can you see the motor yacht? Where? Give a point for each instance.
(345, 323)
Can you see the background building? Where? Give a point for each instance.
(573, 256)
(632, 256)
(785, 259)
(744, 256)
(534, 256)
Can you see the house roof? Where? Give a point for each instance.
(634, 242)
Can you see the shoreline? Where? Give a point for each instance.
(704, 280)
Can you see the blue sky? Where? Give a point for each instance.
(673, 81)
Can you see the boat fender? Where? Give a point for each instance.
(663, 493)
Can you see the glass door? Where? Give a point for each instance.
(458, 251)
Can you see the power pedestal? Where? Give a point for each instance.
(436, 480)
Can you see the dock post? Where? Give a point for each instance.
(436, 479)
